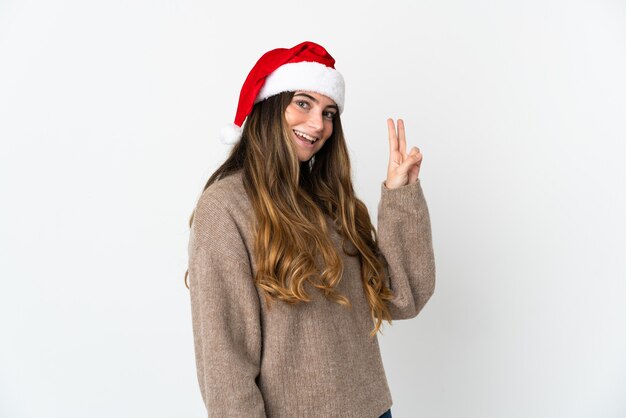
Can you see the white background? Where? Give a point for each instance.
(109, 115)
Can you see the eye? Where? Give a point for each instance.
(302, 103)
(329, 114)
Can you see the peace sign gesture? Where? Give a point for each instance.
(403, 168)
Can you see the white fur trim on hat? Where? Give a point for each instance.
(306, 76)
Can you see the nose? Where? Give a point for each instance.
(316, 121)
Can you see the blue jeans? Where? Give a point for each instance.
(386, 414)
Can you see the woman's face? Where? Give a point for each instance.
(310, 119)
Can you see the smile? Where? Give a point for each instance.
(310, 139)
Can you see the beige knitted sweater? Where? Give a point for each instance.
(312, 359)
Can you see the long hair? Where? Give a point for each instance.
(291, 200)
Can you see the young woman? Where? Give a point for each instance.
(289, 280)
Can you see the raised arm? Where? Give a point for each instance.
(404, 232)
(405, 240)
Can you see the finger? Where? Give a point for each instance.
(414, 159)
(415, 156)
(401, 138)
(414, 172)
(415, 152)
(393, 139)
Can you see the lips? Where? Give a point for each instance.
(306, 137)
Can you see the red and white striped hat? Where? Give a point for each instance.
(306, 66)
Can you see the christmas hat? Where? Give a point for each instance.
(306, 66)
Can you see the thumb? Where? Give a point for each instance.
(411, 159)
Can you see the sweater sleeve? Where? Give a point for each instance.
(225, 314)
(405, 241)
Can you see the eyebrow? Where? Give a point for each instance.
(315, 100)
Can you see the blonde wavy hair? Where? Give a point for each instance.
(290, 201)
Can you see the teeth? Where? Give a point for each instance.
(305, 136)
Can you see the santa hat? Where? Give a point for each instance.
(306, 66)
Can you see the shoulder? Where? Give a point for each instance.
(226, 196)
(223, 208)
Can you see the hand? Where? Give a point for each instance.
(403, 168)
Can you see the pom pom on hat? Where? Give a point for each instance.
(307, 66)
(230, 134)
